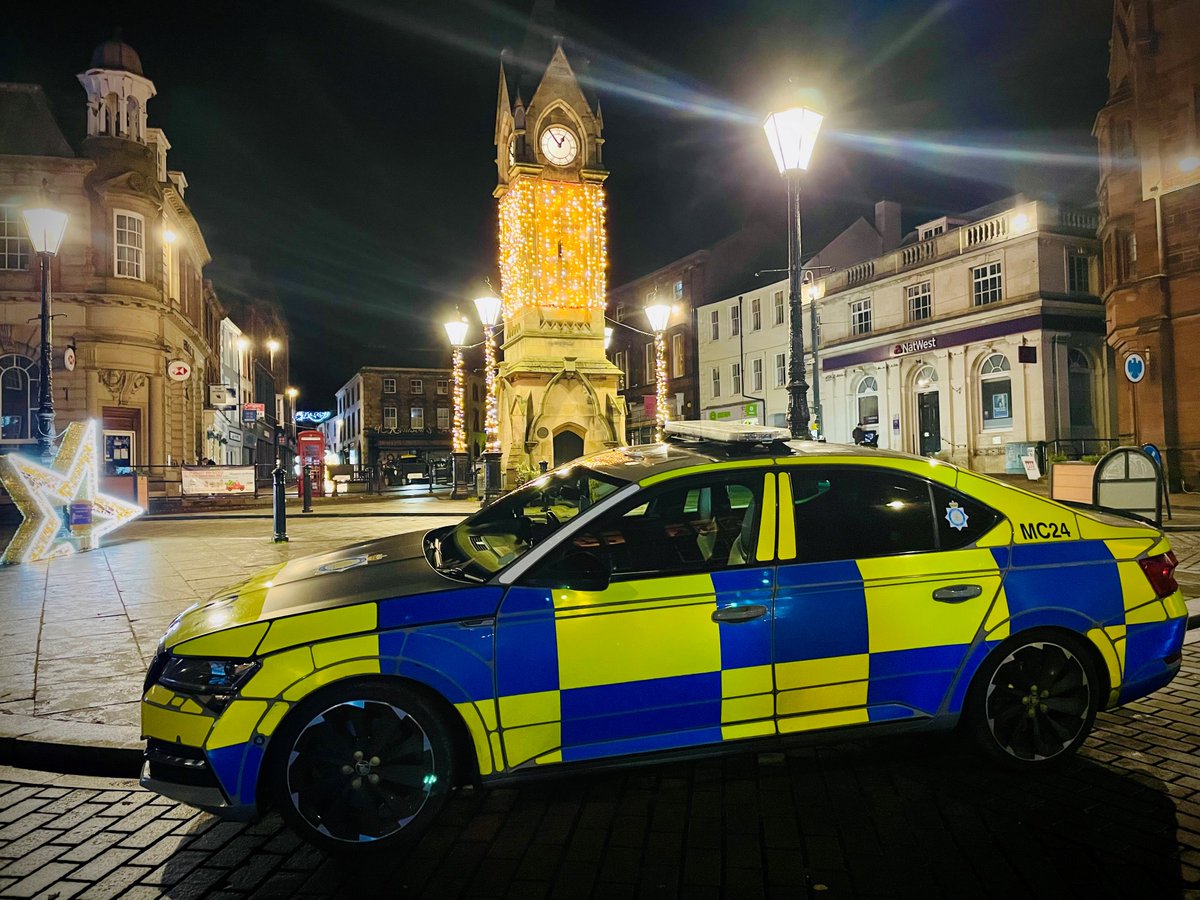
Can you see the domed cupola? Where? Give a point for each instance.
(117, 92)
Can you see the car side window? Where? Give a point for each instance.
(857, 513)
(693, 525)
(961, 520)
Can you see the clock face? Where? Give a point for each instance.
(559, 145)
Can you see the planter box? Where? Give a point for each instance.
(1071, 481)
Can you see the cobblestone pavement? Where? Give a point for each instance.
(78, 632)
(901, 816)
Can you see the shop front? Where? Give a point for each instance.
(978, 395)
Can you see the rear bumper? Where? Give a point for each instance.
(1153, 654)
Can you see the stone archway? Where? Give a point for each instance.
(567, 446)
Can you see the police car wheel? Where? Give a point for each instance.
(362, 766)
(1034, 700)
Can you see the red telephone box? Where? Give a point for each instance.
(312, 454)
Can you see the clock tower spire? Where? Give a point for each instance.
(558, 391)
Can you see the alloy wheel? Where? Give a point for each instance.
(1038, 701)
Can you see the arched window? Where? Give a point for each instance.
(995, 390)
(926, 378)
(19, 382)
(1079, 388)
(868, 402)
(112, 112)
(135, 119)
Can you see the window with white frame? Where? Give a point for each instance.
(780, 369)
(735, 381)
(995, 389)
(714, 325)
(679, 289)
(389, 385)
(716, 381)
(416, 418)
(735, 320)
(443, 418)
(868, 402)
(920, 301)
(860, 316)
(621, 360)
(416, 386)
(756, 375)
(1079, 273)
(756, 314)
(443, 386)
(390, 418)
(677, 360)
(986, 286)
(14, 245)
(129, 245)
(648, 363)
(777, 300)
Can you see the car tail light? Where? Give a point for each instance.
(1160, 572)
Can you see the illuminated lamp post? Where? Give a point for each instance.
(792, 135)
(489, 308)
(456, 331)
(659, 315)
(46, 228)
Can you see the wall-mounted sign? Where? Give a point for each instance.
(718, 414)
(179, 370)
(69, 358)
(1135, 367)
(1027, 353)
(316, 417)
(916, 345)
(252, 412)
(222, 396)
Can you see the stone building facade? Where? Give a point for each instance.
(1149, 194)
(129, 292)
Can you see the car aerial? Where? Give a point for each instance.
(720, 590)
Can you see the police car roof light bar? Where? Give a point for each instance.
(726, 432)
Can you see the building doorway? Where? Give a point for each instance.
(929, 422)
(567, 446)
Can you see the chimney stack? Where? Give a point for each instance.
(887, 223)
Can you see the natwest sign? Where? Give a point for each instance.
(915, 346)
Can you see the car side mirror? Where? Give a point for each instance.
(579, 570)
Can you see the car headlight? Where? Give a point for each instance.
(213, 682)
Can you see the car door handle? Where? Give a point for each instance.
(957, 593)
(740, 613)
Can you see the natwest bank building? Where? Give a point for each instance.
(979, 336)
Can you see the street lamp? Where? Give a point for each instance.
(456, 331)
(792, 135)
(489, 308)
(45, 227)
(659, 314)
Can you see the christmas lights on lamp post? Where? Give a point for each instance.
(489, 308)
(792, 135)
(456, 331)
(659, 315)
(46, 228)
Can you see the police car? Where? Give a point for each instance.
(722, 588)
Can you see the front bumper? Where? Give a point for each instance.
(183, 773)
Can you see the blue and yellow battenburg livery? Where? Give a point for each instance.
(678, 596)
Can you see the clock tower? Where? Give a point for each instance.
(558, 393)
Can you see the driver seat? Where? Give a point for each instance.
(743, 548)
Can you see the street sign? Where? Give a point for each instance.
(1135, 367)
(251, 412)
(179, 370)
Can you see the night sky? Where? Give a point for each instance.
(340, 155)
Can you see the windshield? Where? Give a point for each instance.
(500, 534)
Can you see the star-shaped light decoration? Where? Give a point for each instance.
(62, 510)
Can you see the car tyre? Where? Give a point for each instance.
(362, 767)
(1034, 700)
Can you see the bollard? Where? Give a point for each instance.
(307, 490)
(280, 504)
